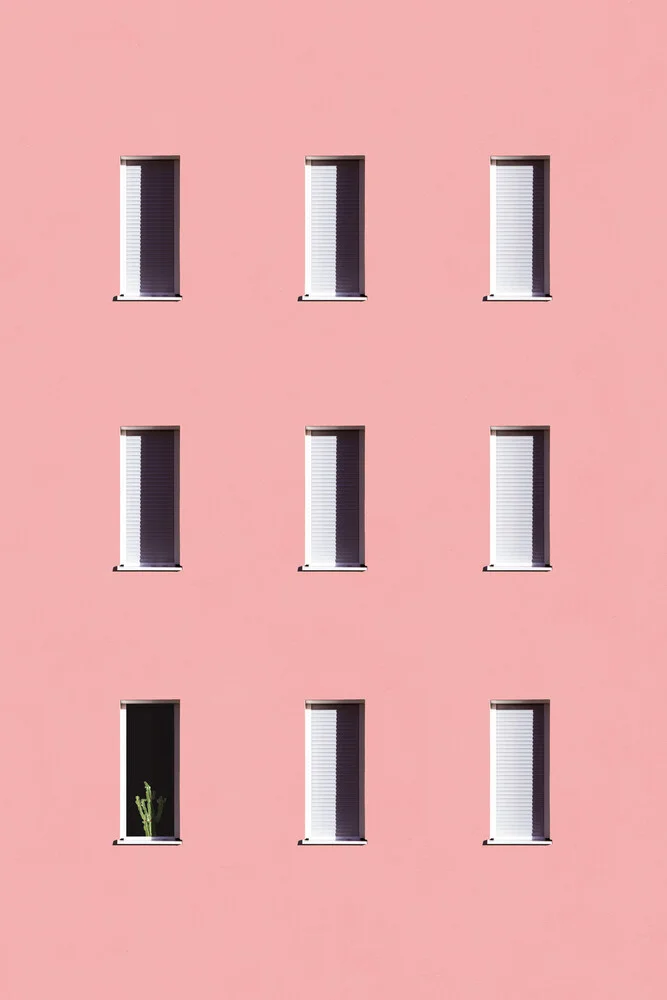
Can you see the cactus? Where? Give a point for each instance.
(149, 819)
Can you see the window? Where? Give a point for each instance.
(519, 498)
(334, 498)
(149, 506)
(149, 772)
(334, 772)
(519, 772)
(334, 228)
(149, 228)
(519, 228)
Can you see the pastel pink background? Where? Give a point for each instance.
(243, 93)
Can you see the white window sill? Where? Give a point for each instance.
(517, 569)
(147, 298)
(148, 841)
(332, 569)
(333, 298)
(517, 843)
(517, 298)
(147, 569)
(332, 843)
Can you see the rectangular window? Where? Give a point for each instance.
(519, 498)
(149, 772)
(334, 772)
(149, 227)
(334, 228)
(519, 772)
(519, 228)
(149, 492)
(334, 498)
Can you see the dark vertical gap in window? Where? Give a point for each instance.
(158, 509)
(539, 547)
(539, 284)
(150, 757)
(157, 227)
(347, 498)
(347, 227)
(538, 771)
(347, 772)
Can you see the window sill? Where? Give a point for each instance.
(332, 843)
(147, 298)
(517, 843)
(147, 569)
(332, 569)
(332, 298)
(147, 841)
(517, 298)
(517, 569)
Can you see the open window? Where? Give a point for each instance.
(334, 772)
(149, 228)
(334, 498)
(149, 498)
(334, 228)
(149, 772)
(519, 772)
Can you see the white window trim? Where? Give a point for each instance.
(307, 840)
(176, 568)
(492, 841)
(492, 296)
(122, 295)
(123, 839)
(362, 297)
(492, 567)
(361, 568)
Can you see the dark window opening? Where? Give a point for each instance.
(150, 758)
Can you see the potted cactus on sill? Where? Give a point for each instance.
(150, 810)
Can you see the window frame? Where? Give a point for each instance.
(123, 839)
(307, 567)
(307, 840)
(492, 296)
(307, 294)
(492, 567)
(492, 841)
(131, 568)
(122, 295)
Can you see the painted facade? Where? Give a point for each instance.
(243, 95)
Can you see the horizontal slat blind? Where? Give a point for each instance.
(151, 504)
(519, 227)
(132, 555)
(150, 228)
(519, 528)
(322, 772)
(334, 498)
(132, 229)
(520, 772)
(334, 772)
(334, 228)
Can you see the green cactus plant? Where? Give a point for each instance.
(149, 818)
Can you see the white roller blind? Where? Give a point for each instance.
(333, 501)
(148, 268)
(518, 498)
(518, 266)
(132, 172)
(149, 501)
(333, 810)
(518, 759)
(333, 228)
(131, 443)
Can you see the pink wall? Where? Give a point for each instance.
(243, 93)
